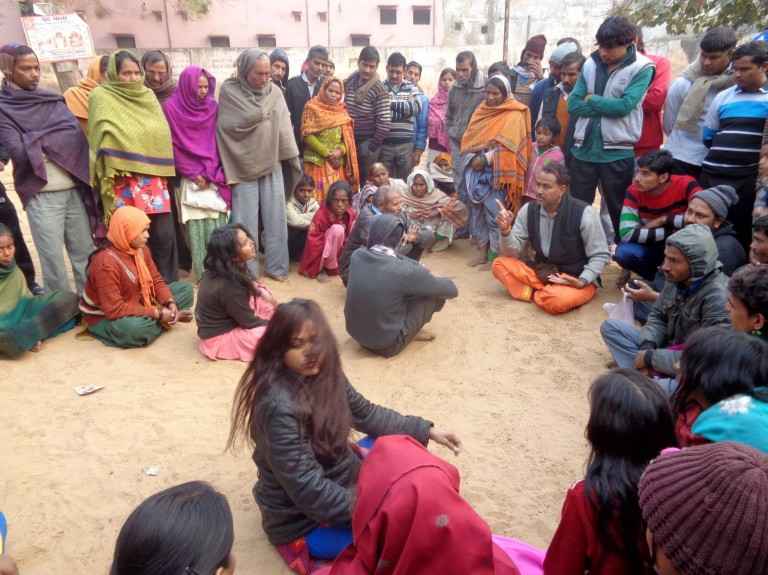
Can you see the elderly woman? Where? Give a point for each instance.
(328, 233)
(329, 141)
(431, 211)
(132, 155)
(203, 196)
(495, 152)
(126, 303)
(255, 135)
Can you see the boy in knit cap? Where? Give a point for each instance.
(528, 71)
(706, 510)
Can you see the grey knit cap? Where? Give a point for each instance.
(719, 198)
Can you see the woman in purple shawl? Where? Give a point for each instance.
(204, 197)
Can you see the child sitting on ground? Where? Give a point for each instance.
(601, 530)
(27, 320)
(299, 211)
(544, 152)
(233, 309)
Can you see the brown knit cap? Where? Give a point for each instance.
(536, 44)
(707, 508)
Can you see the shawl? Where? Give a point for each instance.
(13, 288)
(508, 128)
(438, 173)
(319, 115)
(438, 108)
(693, 105)
(164, 91)
(77, 96)
(128, 132)
(125, 224)
(434, 204)
(193, 127)
(410, 517)
(254, 130)
(361, 199)
(35, 124)
(312, 257)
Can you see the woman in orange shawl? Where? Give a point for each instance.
(77, 97)
(329, 141)
(495, 152)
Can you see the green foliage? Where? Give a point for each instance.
(684, 16)
(195, 7)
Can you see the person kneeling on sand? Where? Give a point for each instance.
(390, 297)
(126, 302)
(568, 242)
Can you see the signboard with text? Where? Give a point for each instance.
(60, 37)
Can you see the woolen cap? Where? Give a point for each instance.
(536, 44)
(719, 198)
(707, 508)
(562, 51)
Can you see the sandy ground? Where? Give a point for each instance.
(509, 379)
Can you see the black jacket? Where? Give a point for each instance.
(730, 252)
(222, 305)
(295, 491)
(297, 96)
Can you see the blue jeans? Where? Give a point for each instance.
(643, 259)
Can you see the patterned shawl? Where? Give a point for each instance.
(128, 132)
(193, 126)
(320, 115)
(506, 127)
(434, 204)
(77, 96)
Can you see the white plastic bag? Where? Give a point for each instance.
(205, 198)
(622, 311)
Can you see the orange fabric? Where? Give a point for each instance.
(324, 176)
(523, 284)
(320, 115)
(509, 127)
(77, 96)
(125, 225)
(562, 116)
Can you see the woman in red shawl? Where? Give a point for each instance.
(328, 233)
(329, 140)
(410, 519)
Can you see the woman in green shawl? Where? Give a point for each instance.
(132, 155)
(26, 320)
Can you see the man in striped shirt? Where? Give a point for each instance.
(733, 132)
(654, 208)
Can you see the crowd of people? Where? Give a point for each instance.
(136, 174)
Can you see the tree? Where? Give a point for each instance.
(685, 16)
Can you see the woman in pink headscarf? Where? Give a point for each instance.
(438, 107)
(203, 195)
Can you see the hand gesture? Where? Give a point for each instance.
(412, 234)
(567, 280)
(640, 363)
(659, 222)
(504, 220)
(643, 292)
(446, 439)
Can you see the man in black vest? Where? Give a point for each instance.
(299, 89)
(569, 246)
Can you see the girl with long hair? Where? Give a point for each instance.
(601, 530)
(233, 309)
(185, 529)
(295, 406)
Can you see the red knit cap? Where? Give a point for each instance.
(707, 508)
(536, 44)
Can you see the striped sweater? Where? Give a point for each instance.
(406, 107)
(372, 115)
(733, 131)
(642, 207)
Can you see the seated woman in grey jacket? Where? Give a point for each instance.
(296, 407)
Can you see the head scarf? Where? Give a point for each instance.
(128, 132)
(77, 96)
(167, 88)
(410, 518)
(501, 82)
(35, 124)
(439, 174)
(254, 130)
(193, 126)
(280, 55)
(438, 108)
(124, 226)
(434, 204)
(320, 115)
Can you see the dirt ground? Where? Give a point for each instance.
(509, 379)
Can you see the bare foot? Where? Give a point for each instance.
(425, 335)
(478, 260)
(184, 316)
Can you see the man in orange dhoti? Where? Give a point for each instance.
(568, 242)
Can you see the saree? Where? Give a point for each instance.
(507, 129)
(312, 258)
(435, 210)
(128, 134)
(77, 97)
(324, 121)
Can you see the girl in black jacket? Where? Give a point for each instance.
(295, 406)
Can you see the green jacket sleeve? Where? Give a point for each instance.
(314, 144)
(633, 95)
